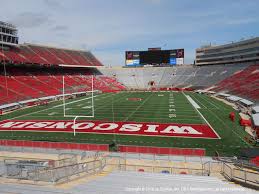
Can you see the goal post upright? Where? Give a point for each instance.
(93, 95)
(64, 102)
(75, 117)
(74, 124)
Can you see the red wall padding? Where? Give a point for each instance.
(166, 151)
(55, 145)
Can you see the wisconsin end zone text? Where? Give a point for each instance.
(121, 128)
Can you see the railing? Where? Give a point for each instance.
(67, 167)
(242, 176)
(158, 169)
(53, 175)
(227, 171)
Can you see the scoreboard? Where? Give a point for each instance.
(154, 57)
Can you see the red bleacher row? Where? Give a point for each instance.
(160, 150)
(24, 84)
(34, 54)
(243, 83)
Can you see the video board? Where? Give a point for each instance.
(154, 57)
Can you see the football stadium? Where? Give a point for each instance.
(70, 123)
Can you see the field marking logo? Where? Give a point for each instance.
(121, 128)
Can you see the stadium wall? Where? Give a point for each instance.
(55, 145)
(162, 151)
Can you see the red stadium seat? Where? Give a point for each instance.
(27, 83)
(244, 83)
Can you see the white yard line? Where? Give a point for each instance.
(204, 118)
(204, 98)
(85, 107)
(200, 102)
(52, 113)
(145, 118)
(101, 106)
(44, 109)
(231, 129)
(137, 108)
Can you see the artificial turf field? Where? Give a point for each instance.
(147, 107)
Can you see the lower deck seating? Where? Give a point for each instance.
(26, 83)
(238, 79)
(177, 77)
(244, 83)
(22, 83)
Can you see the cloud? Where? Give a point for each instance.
(30, 20)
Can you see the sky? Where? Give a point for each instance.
(108, 28)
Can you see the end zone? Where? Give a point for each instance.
(121, 128)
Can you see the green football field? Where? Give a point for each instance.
(148, 107)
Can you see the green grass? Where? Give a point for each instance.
(154, 107)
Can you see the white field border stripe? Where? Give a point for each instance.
(205, 107)
(194, 104)
(204, 119)
(47, 109)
